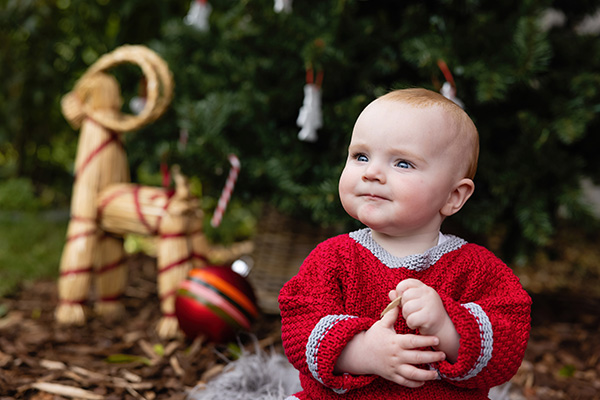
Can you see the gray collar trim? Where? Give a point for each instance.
(414, 262)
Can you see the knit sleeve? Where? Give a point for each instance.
(315, 326)
(493, 321)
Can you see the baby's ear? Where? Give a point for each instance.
(458, 197)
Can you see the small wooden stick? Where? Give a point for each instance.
(395, 303)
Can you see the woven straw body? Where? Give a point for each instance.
(130, 208)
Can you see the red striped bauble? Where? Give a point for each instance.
(215, 302)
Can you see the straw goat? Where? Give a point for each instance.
(105, 206)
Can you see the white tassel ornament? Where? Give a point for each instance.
(310, 117)
(198, 15)
(449, 92)
(448, 89)
(283, 6)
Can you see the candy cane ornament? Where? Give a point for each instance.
(227, 190)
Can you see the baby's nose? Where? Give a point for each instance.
(374, 172)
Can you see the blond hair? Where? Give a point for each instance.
(466, 130)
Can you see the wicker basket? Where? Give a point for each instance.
(280, 246)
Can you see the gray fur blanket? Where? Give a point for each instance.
(269, 376)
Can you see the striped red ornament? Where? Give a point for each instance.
(215, 302)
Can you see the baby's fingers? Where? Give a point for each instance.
(419, 341)
(418, 357)
(413, 377)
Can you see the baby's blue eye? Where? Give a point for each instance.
(361, 157)
(403, 164)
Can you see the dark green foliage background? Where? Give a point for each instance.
(533, 94)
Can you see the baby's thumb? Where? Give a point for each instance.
(388, 318)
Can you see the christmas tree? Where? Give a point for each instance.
(528, 79)
(525, 71)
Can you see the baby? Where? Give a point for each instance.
(463, 319)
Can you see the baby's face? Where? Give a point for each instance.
(402, 165)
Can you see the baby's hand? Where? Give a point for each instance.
(382, 351)
(422, 308)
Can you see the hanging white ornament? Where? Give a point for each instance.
(137, 104)
(198, 15)
(448, 89)
(449, 92)
(310, 117)
(283, 6)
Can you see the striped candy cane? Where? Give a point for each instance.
(227, 190)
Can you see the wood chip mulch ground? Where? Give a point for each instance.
(126, 360)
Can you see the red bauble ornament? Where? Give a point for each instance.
(215, 302)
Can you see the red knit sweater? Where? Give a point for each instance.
(343, 286)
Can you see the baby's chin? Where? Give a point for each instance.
(373, 218)
(381, 227)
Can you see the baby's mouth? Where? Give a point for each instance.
(372, 196)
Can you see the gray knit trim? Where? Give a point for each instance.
(292, 398)
(414, 262)
(314, 343)
(486, 334)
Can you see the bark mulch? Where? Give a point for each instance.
(41, 360)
